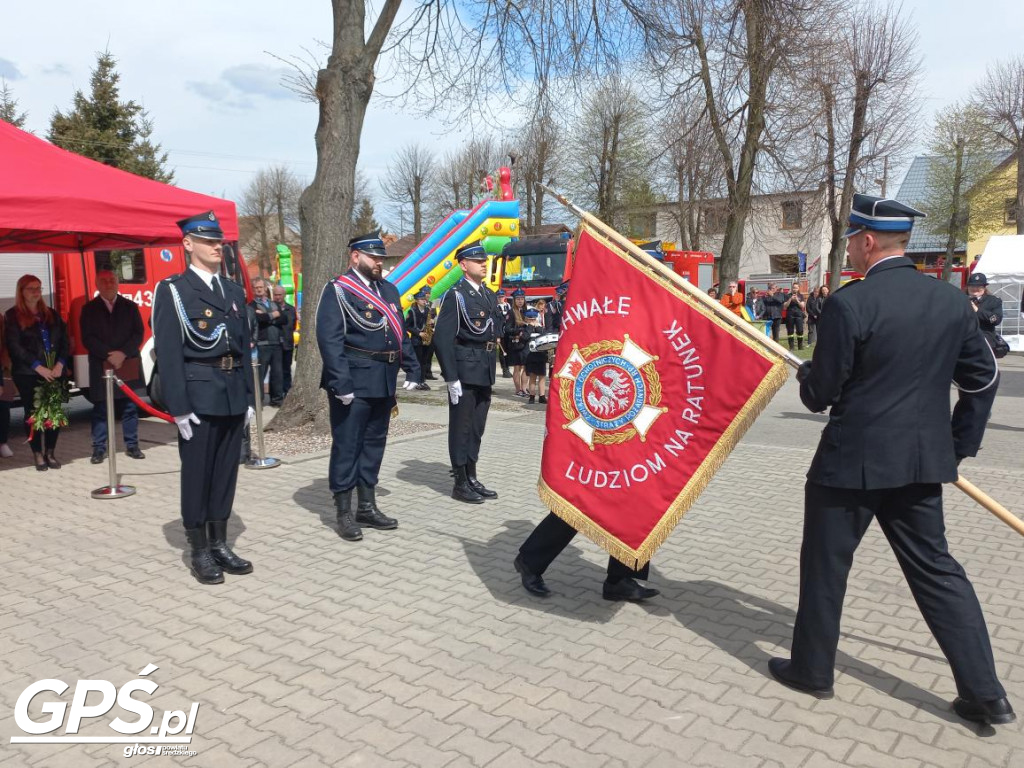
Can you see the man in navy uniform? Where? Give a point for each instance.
(416, 321)
(505, 309)
(201, 335)
(888, 347)
(469, 325)
(361, 335)
(556, 307)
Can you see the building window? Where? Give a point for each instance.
(1010, 216)
(784, 263)
(792, 214)
(715, 218)
(128, 265)
(643, 225)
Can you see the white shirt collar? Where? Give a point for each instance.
(207, 277)
(476, 286)
(110, 304)
(882, 261)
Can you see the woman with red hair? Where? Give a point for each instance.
(37, 341)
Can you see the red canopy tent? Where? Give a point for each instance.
(54, 200)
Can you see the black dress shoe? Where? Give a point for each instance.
(51, 461)
(347, 527)
(135, 453)
(462, 490)
(532, 582)
(201, 561)
(629, 590)
(780, 670)
(476, 485)
(996, 712)
(98, 455)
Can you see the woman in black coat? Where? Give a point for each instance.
(34, 332)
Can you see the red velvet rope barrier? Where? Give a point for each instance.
(144, 406)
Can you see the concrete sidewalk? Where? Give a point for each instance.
(419, 647)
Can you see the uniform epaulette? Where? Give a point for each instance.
(173, 278)
(849, 282)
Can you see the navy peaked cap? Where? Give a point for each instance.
(472, 251)
(518, 292)
(880, 214)
(370, 244)
(977, 278)
(204, 225)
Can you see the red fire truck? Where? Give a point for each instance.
(69, 281)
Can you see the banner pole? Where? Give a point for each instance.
(652, 264)
(743, 326)
(261, 461)
(113, 490)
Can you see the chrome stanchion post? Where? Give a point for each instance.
(261, 461)
(114, 490)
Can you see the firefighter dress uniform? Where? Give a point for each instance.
(201, 339)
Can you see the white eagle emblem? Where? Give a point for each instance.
(614, 393)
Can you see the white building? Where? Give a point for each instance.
(780, 226)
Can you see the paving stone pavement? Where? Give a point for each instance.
(418, 647)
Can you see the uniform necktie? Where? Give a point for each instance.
(374, 287)
(217, 288)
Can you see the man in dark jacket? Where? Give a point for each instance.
(201, 338)
(287, 337)
(269, 321)
(889, 346)
(362, 340)
(112, 332)
(469, 325)
(773, 300)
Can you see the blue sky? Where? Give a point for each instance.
(203, 72)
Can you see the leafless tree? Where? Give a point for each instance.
(408, 178)
(453, 54)
(742, 58)
(690, 161)
(1000, 96)
(538, 160)
(271, 201)
(865, 86)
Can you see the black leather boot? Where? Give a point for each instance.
(347, 528)
(203, 566)
(463, 491)
(228, 561)
(367, 512)
(475, 484)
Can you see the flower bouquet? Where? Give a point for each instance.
(48, 408)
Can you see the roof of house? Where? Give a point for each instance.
(913, 191)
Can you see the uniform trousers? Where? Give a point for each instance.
(553, 535)
(359, 433)
(466, 423)
(424, 353)
(835, 520)
(209, 469)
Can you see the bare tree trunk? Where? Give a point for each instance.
(343, 90)
(1020, 188)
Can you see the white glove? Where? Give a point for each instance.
(250, 414)
(410, 385)
(346, 399)
(185, 425)
(454, 391)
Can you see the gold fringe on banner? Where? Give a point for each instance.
(745, 417)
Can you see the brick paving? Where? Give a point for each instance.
(418, 647)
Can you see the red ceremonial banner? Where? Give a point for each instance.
(651, 391)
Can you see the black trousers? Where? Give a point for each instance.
(424, 355)
(835, 520)
(27, 386)
(776, 327)
(794, 326)
(270, 358)
(466, 423)
(209, 469)
(359, 433)
(286, 369)
(553, 535)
